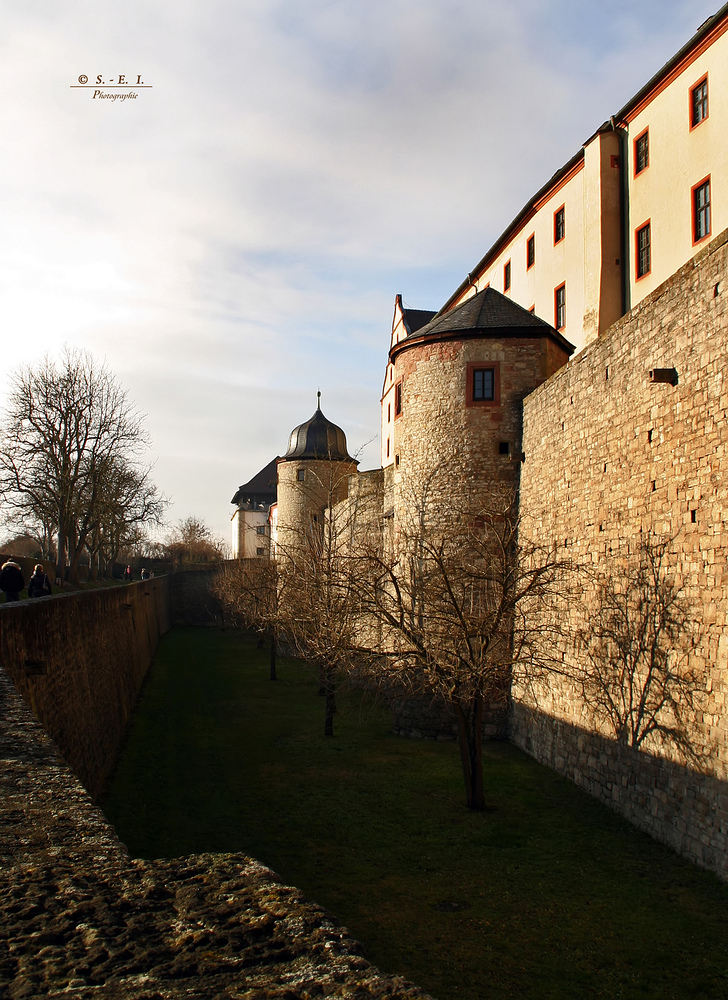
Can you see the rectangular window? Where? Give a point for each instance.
(643, 250)
(301, 475)
(260, 529)
(560, 307)
(506, 276)
(559, 224)
(642, 152)
(259, 552)
(530, 251)
(387, 447)
(398, 399)
(699, 103)
(483, 384)
(701, 210)
(389, 413)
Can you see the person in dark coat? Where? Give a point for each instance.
(39, 585)
(11, 580)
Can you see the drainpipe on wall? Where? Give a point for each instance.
(624, 214)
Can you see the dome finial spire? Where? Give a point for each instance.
(318, 400)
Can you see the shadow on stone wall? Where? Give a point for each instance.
(680, 807)
(191, 597)
(79, 661)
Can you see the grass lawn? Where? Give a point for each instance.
(547, 894)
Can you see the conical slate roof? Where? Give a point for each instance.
(488, 310)
(318, 438)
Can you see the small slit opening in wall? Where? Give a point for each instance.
(566, 543)
(563, 425)
(572, 400)
(605, 466)
(601, 527)
(653, 486)
(649, 437)
(716, 290)
(693, 516)
(396, 460)
(606, 374)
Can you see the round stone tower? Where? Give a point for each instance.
(312, 477)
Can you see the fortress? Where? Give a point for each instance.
(614, 263)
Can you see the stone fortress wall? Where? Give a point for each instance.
(79, 662)
(609, 454)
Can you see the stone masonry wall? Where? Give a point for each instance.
(610, 454)
(79, 661)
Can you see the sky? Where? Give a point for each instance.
(232, 239)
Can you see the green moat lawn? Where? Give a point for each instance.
(548, 894)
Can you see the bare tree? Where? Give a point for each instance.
(193, 542)
(129, 503)
(636, 672)
(452, 596)
(319, 586)
(68, 427)
(248, 593)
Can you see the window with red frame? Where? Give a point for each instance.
(530, 251)
(644, 251)
(699, 103)
(560, 307)
(701, 211)
(559, 225)
(641, 152)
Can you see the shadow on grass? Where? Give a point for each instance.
(547, 894)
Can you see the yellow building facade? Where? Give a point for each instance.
(641, 197)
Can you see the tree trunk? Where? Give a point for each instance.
(273, 657)
(470, 733)
(61, 564)
(330, 703)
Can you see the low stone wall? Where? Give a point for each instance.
(80, 918)
(79, 661)
(192, 599)
(427, 718)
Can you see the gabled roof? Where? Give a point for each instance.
(263, 484)
(414, 319)
(488, 312)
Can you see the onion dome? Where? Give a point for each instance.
(318, 438)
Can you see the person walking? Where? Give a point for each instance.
(11, 580)
(39, 585)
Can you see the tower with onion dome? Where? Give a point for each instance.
(313, 476)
